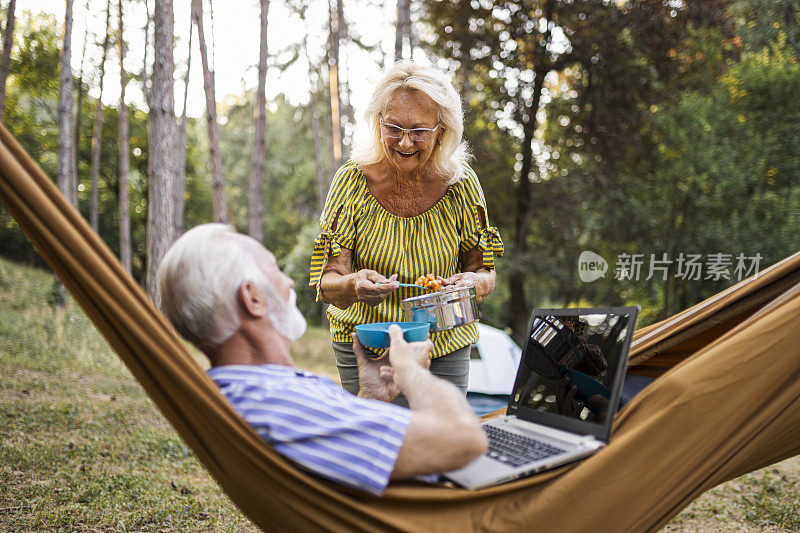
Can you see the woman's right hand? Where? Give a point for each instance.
(372, 287)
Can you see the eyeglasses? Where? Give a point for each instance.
(394, 131)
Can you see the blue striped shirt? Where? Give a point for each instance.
(317, 424)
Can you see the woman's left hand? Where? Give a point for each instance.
(482, 280)
(462, 279)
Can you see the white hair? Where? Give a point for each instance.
(199, 279)
(452, 151)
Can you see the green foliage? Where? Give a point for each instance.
(295, 265)
(197, 195)
(31, 110)
(290, 195)
(763, 22)
(32, 92)
(577, 81)
(290, 185)
(663, 128)
(667, 141)
(721, 177)
(57, 295)
(32, 117)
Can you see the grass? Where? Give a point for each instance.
(765, 500)
(83, 448)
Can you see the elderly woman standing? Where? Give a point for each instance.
(406, 205)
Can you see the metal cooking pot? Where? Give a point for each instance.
(444, 310)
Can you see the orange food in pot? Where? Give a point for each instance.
(429, 282)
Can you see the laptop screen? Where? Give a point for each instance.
(572, 367)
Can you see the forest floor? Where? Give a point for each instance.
(83, 448)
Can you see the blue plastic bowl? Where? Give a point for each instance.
(376, 335)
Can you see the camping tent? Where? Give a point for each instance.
(493, 362)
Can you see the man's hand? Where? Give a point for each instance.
(372, 287)
(407, 358)
(565, 398)
(598, 406)
(567, 403)
(443, 434)
(375, 376)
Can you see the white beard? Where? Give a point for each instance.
(289, 321)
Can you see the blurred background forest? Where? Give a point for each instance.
(620, 127)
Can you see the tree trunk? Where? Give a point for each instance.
(333, 83)
(160, 211)
(467, 65)
(217, 181)
(78, 114)
(402, 30)
(97, 130)
(518, 305)
(412, 41)
(65, 117)
(321, 185)
(314, 80)
(257, 169)
(180, 163)
(346, 113)
(124, 161)
(5, 63)
(145, 75)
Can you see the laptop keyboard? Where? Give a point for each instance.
(515, 449)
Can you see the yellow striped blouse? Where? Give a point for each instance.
(409, 246)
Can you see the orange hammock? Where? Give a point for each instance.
(731, 407)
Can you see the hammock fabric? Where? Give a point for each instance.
(730, 408)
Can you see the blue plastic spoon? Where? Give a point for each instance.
(406, 285)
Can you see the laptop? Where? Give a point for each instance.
(565, 395)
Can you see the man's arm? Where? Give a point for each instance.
(443, 434)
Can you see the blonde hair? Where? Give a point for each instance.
(452, 150)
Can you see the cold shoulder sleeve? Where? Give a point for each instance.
(336, 221)
(476, 231)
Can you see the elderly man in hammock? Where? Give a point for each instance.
(223, 291)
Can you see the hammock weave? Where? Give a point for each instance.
(731, 407)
